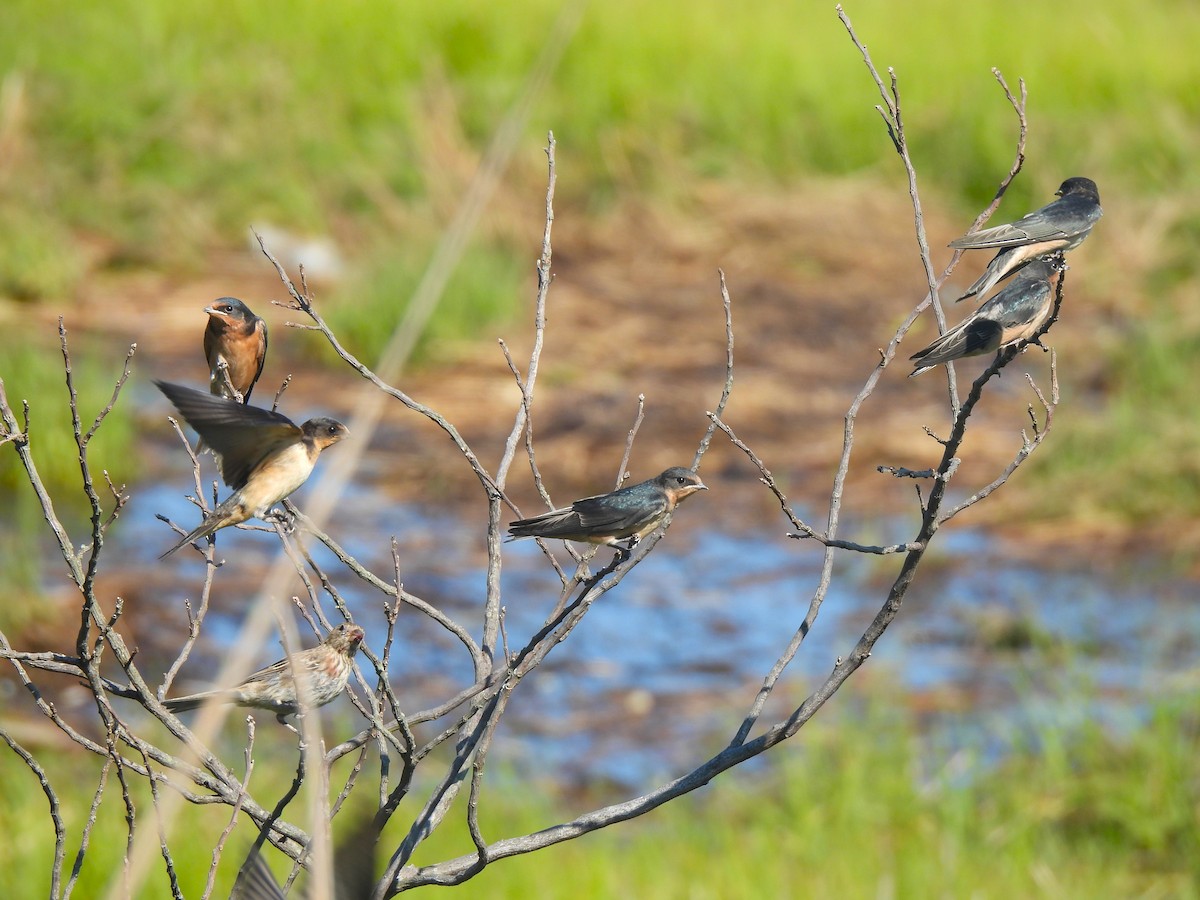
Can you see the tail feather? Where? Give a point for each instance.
(192, 701)
(973, 337)
(549, 524)
(204, 529)
(256, 881)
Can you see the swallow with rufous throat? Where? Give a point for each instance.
(238, 338)
(1015, 313)
(629, 514)
(1058, 226)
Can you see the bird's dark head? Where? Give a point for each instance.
(324, 431)
(346, 638)
(680, 482)
(1041, 269)
(1084, 187)
(231, 310)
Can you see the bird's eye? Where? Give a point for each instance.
(333, 429)
(681, 479)
(225, 308)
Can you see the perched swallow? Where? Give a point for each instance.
(1060, 225)
(325, 670)
(239, 338)
(1013, 314)
(630, 513)
(262, 455)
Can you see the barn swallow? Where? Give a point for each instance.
(262, 455)
(630, 513)
(239, 338)
(1013, 314)
(1059, 225)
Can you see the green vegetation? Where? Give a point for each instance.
(852, 808)
(165, 128)
(1144, 451)
(482, 291)
(862, 811)
(151, 133)
(35, 369)
(32, 369)
(147, 134)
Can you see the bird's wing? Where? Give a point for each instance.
(1033, 229)
(262, 358)
(1061, 220)
(210, 350)
(1017, 308)
(242, 436)
(618, 511)
(274, 670)
(256, 881)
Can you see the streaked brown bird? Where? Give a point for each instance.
(323, 669)
(630, 513)
(1013, 314)
(237, 337)
(262, 455)
(1060, 225)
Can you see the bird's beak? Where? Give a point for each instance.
(702, 486)
(211, 311)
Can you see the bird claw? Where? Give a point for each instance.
(285, 519)
(624, 551)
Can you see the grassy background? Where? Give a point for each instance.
(856, 806)
(149, 135)
(139, 135)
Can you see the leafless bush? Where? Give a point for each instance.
(383, 758)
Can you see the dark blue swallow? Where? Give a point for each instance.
(238, 338)
(1013, 314)
(628, 514)
(1061, 225)
(262, 455)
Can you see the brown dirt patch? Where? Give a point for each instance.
(820, 278)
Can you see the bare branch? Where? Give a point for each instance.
(727, 389)
(469, 725)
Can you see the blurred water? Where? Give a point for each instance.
(661, 671)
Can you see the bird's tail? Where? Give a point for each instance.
(256, 881)
(981, 286)
(548, 524)
(204, 529)
(946, 348)
(192, 701)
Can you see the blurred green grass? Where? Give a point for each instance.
(857, 806)
(165, 127)
(32, 370)
(148, 134)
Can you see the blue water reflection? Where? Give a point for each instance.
(662, 669)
